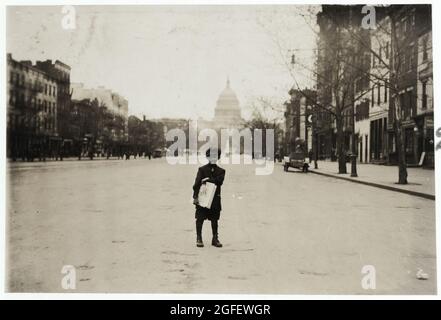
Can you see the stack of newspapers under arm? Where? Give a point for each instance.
(206, 194)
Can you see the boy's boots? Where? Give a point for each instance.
(215, 242)
(199, 242)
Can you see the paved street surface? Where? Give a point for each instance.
(128, 226)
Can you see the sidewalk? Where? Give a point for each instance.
(421, 182)
(96, 158)
(68, 161)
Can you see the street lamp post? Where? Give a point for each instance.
(353, 147)
(314, 127)
(316, 150)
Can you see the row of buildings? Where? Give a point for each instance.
(370, 79)
(48, 116)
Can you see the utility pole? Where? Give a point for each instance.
(353, 147)
(315, 136)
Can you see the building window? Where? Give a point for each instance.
(372, 95)
(402, 106)
(398, 28)
(410, 104)
(408, 140)
(378, 94)
(425, 54)
(424, 89)
(408, 64)
(387, 50)
(412, 21)
(401, 61)
(385, 91)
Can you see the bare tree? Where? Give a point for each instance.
(266, 113)
(395, 53)
(336, 72)
(339, 67)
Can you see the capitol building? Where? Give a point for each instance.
(227, 113)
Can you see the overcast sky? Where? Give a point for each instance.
(170, 61)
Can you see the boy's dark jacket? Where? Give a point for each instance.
(216, 175)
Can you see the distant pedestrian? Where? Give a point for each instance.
(214, 174)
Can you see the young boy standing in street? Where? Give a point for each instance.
(210, 172)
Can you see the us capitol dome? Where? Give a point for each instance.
(227, 113)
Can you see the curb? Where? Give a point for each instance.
(72, 159)
(378, 185)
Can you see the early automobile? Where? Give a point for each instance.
(157, 153)
(296, 160)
